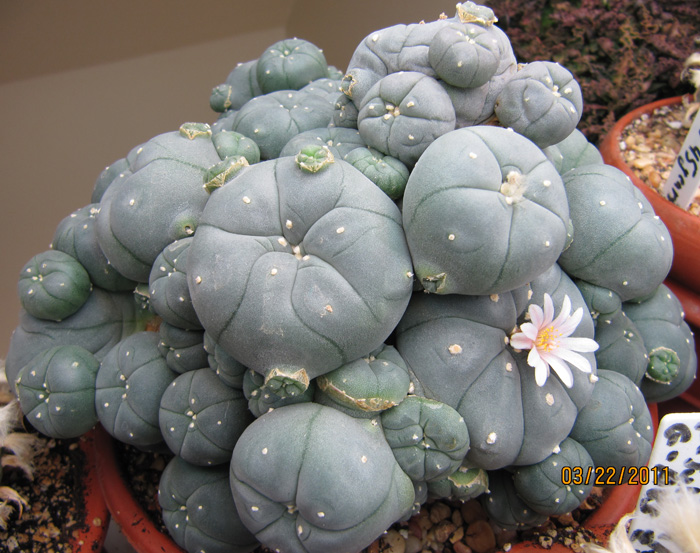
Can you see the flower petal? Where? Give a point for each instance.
(548, 311)
(570, 324)
(578, 361)
(541, 373)
(541, 368)
(529, 330)
(536, 315)
(584, 345)
(533, 358)
(558, 323)
(520, 340)
(561, 368)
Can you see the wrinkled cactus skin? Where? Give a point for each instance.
(56, 391)
(287, 479)
(615, 427)
(346, 277)
(53, 285)
(668, 340)
(198, 509)
(618, 243)
(487, 221)
(354, 293)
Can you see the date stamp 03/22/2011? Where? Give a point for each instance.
(609, 476)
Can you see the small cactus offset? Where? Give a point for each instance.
(355, 293)
(198, 509)
(53, 285)
(430, 438)
(56, 391)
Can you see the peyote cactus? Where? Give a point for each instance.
(317, 271)
(672, 358)
(621, 346)
(491, 219)
(53, 285)
(131, 380)
(429, 438)
(201, 417)
(366, 386)
(198, 509)
(340, 141)
(540, 485)
(403, 113)
(622, 235)
(542, 102)
(183, 349)
(290, 65)
(76, 235)
(287, 481)
(160, 202)
(619, 435)
(274, 119)
(352, 294)
(56, 390)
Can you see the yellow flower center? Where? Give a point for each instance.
(547, 339)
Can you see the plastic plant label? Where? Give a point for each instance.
(684, 180)
(673, 463)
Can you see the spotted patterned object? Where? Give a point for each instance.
(675, 460)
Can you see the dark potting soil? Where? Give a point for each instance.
(55, 515)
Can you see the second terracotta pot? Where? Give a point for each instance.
(683, 227)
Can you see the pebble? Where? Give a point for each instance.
(471, 511)
(480, 537)
(439, 512)
(460, 547)
(394, 542)
(650, 146)
(445, 526)
(413, 545)
(444, 530)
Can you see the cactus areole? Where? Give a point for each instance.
(355, 292)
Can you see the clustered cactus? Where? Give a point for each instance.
(412, 280)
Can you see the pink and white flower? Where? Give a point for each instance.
(550, 343)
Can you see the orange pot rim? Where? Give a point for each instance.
(143, 536)
(610, 149)
(683, 227)
(91, 536)
(133, 521)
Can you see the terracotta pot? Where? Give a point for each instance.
(683, 227)
(92, 536)
(144, 537)
(132, 519)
